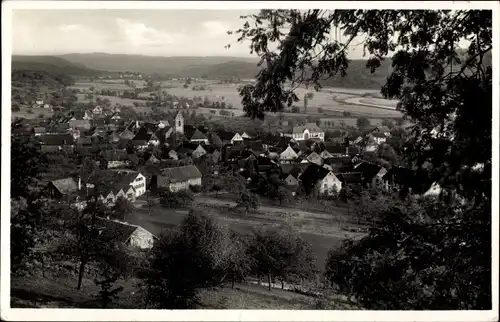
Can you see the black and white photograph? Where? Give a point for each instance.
(322, 161)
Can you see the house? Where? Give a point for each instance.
(55, 142)
(178, 178)
(289, 155)
(372, 174)
(228, 137)
(270, 140)
(353, 180)
(126, 233)
(291, 180)
(321, 180)
(245, 136)
(79, 124)
(115, 158)
(121, 181)
(305, 132)
(57, 189)
(333, 151)
(127, 134)
(315, 158)
(39, 130)
(197, 136)
(97, 110)
(198, 152)
(152, 160)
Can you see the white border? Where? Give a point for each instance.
(232, 315)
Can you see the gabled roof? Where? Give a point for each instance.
(56, 139)
(127, 134)
(115, 230)
(225, 135)
(350, 177)
(314, 173)
(179, 174)
(312, 127)
(198, 135)
(66, 185)
(369, 170)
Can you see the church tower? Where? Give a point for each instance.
(179, 123)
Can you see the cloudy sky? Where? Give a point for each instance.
(145, 32)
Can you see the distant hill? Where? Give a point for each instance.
(51, 64)
(216, 68)
(150, 64)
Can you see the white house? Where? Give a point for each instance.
(198, 152)
(329, 184)
(97, 110)
(306, 132)
(288, 155)
(178, 178)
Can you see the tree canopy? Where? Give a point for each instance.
(446, 92)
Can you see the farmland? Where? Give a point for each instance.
(329, 102)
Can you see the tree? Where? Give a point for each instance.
(239, 262)
(248, 200)
(418, 259)
(182, 198)
(281, 252)
(121, 208)
(388, 123)
(362, 123)
(185, 260)
(440, 93)
(28, 164)
(86, 243)
(321, 110)
(283, 195)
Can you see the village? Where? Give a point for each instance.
(142, 158)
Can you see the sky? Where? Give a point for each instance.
(145, 32)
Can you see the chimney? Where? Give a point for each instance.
(79, 183)
(137, 124)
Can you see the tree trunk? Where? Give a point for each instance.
(80, 274)
(232, 282)
(269, 280)
(282, 284)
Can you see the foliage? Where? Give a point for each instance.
(27, 164)
(248, 201)
(362, 123)
(281, 253)
(239, 263)
(87, 243)
(424, 256)
(27, 218)
(121, 208)
(182, 198)
(185, 260)
(446, 95)
(107, 294)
